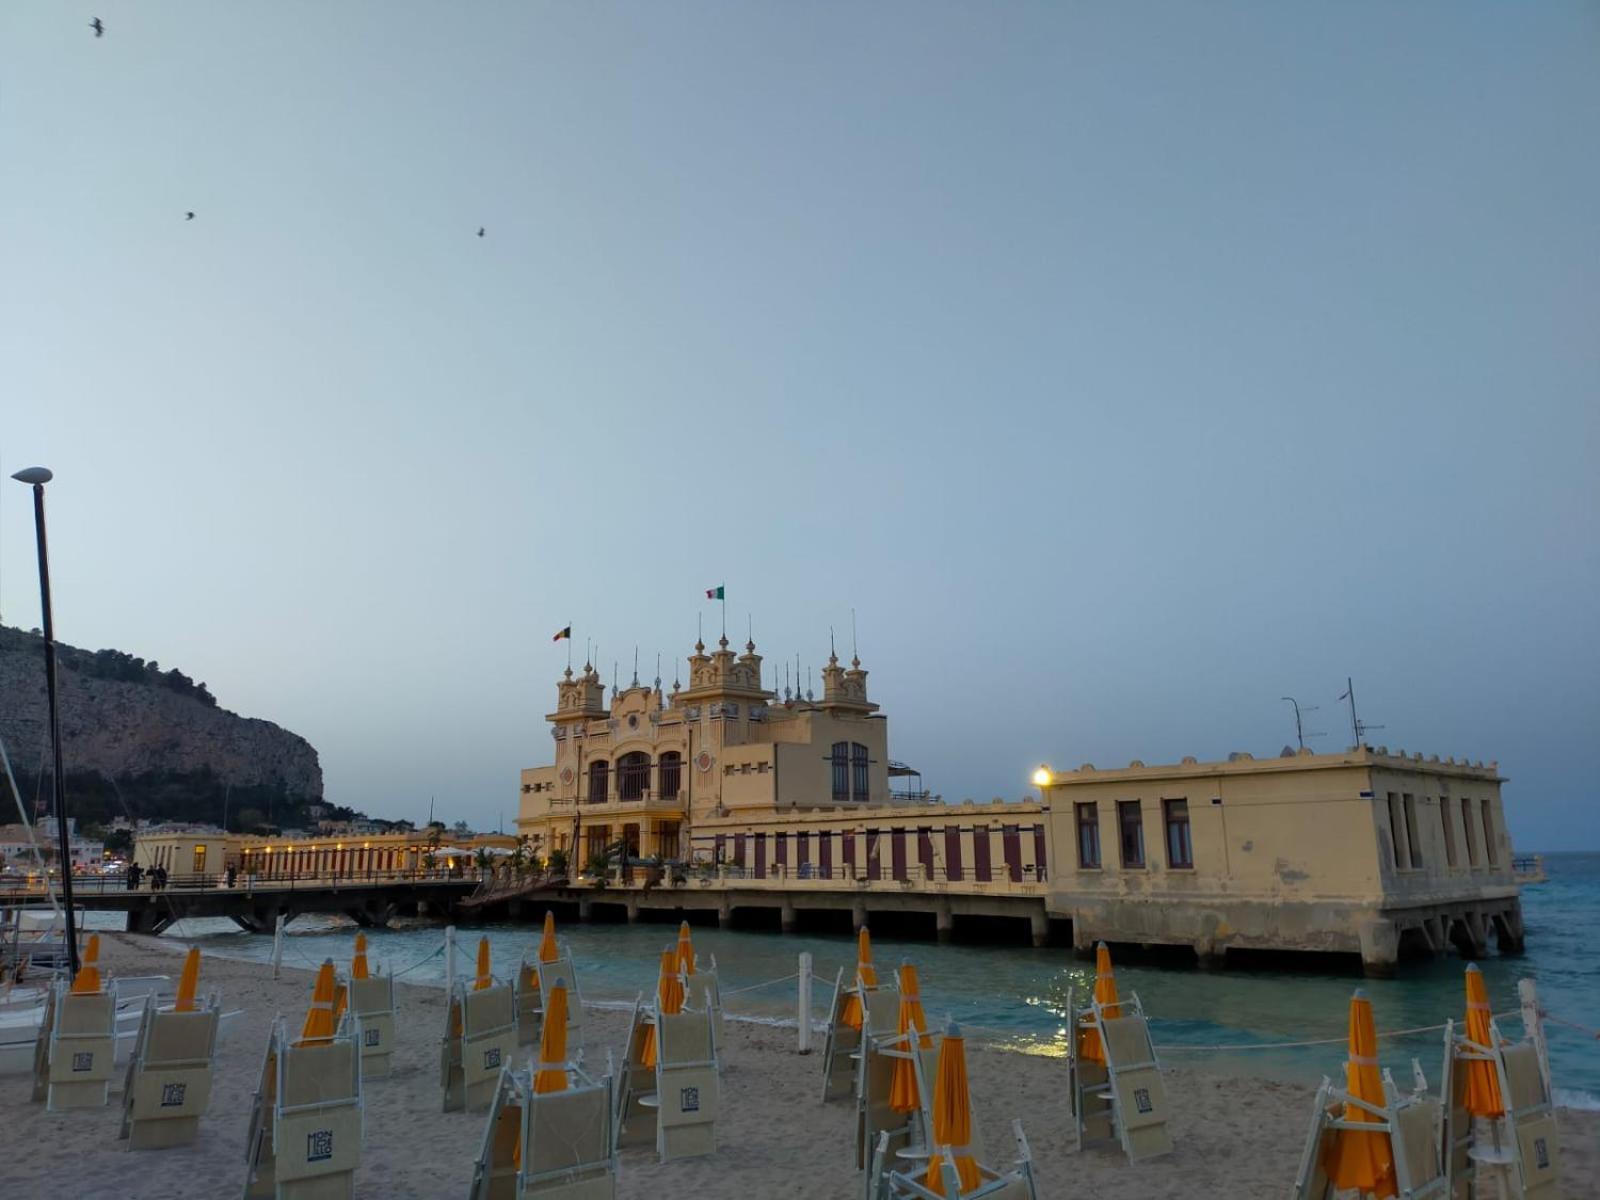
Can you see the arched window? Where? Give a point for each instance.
(841, 771)
(858, 772)
(671, 774)
(633, 775)
(599, 781)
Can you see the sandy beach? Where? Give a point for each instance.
(1235, 1137)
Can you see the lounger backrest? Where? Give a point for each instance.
(317, 1123)
(169, 1077)
(372, 999)
(1416, 1143)
(838, 1069)
(637, 1120)
(562, 969)
(1141, 1095)
(568, 1148)
(530, 1003)
(881, 1012)
(703, 991)
(83, 1043)
(874, 1112)
(686, 1085)
(489, 1035)
(1538, 1139)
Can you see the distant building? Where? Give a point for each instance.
(17, 850)
(210, 852)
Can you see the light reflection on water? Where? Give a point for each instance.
(1016, 996)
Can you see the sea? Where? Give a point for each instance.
(1252, 1022)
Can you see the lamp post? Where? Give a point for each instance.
(36, 478)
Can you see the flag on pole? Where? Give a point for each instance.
(563, 633)
(716, 593)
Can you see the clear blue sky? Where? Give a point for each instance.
(1125, 366)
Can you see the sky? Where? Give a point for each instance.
(1122, 367)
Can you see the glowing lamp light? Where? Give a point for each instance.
(1042, 777)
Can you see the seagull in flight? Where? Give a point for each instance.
(98, 26)
(188, 216)
(480, 230)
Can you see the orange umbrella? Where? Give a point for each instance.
(952, 1117)
(1483, 1081)
(1105, 994)
(903, 1091)
(358, 964)
(866, 980)
(484, 979)
(1356, 1159)
(685, 949)
(548, 950)
(552, 1073)
(87, 980)
(188, 982)
(319, 1017)
(669, 1002)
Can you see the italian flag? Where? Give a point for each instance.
(716, 593)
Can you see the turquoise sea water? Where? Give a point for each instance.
(1017, 995)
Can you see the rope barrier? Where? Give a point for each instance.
(752, 987)
(1594, 1033)
(434, 953)
(1166, 1048)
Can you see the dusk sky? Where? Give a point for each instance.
(1125, 367)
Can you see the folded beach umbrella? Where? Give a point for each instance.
(483, 979)
(1357, 1160)
(87, 980)
(188, 982)
(552, 1073)
(866, 977)
(548, 950)
(318, 1026)
(903, 1090)
(669, 1002)
(952, 1116)
(685, 949)
(358, 964)
(1105, 994)
(1483, 1082)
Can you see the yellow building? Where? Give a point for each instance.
(211, 853)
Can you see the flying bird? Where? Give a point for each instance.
(98, 26)
(188, 216)
(480, 230)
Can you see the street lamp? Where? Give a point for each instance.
(36, 478)
(1043, 777)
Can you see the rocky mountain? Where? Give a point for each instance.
(140, 740)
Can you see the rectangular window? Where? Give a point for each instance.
(1488, 833)
(858, 773)
(841, 772)
(982, 871)
(1011, 844)
(200, 852)
(849, 857)
(874, 855)
(1040, 855)
(1413, 842)
(1180, 849)
(780, 850)
(1130, 823)
(1088, 836)
(952, 851)
(667, 841)
(1466, 832)
(1397, 833)
(825, 855)
(925, 850)
(1450, 854)
(802, 849)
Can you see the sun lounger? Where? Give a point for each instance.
(1410, 1124)
(881, 1046)
(76, 1050)
(839, 1044)
(480, 1038)
(566, 1140)
(1528, 1141)
(168, 1083)
(1015, 1182)
(304, 1139)
(1123, 1098)
(687, 1086)
(636, 1119)
(562, 969)
(372, 1000)
(530, 1002)
(702, 992)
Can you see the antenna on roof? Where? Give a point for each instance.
(635, 665)
(1357, 726)
(1299, 729)
(854, 651)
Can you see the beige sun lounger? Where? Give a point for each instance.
(561, 969)
(74, 1057)
(1411, 1124)
(703, 993)
(876, 1118)
(1530, 1140)
(687, 1086)
(372, 1000)
(480, 1038)
(636, 1119)
(168, 1083)
(842, 1044)
(530, 1003)
(305, 1133)
(1015, 1182)
(567, 1139)
(1124, 1098)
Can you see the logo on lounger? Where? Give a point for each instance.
(689, 1099)
(491, 1059)
(370, 1037)
(172, 1094)
(1141, 1100)
(319, 1145)
(1541, 1154)
(84, 1061)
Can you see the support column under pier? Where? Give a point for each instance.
(944, 922)
(788, 919)
(1039, 924)
(858, 914)
(585, 908)
(633, 910)
(1509, 935)
(1380, 949)
(724, 915)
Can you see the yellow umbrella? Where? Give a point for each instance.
(903, 1090)
(188, 982)
(1105, 993)
(548, 950)
(358, 964)
(1356, 1159)
(87, 980)
(319, 1017)
(685, 949)
(952, 1117)
(866, 979)
(483, 979)
(669, 1002)
(552, 1073)
(1483, 1082)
